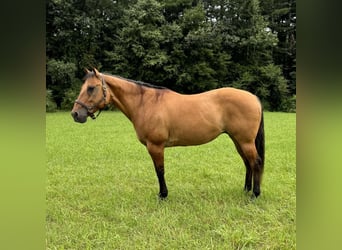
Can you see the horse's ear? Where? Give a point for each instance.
(96, 72)
(86, 71)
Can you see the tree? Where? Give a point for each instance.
(182, 54)
(137, 52)
(248, 38)
(281, 15)
(60, 77)
(189, 46)
(77, 31)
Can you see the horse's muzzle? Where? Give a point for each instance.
(79, 116)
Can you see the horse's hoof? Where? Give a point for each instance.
(247, 189)
(162, 196)
(255, 195)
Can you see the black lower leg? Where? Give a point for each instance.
(162, 184)
(256, 189)
(248, 179)
(257, 173)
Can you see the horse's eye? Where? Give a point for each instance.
(90, 89)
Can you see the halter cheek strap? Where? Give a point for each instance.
(92, 107)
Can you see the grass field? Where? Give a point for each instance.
(101, 190)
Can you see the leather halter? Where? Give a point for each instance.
(92, 107)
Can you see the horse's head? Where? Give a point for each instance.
(92, 97)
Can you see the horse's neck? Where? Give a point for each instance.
(124, 95)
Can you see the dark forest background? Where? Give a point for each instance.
(189, 46)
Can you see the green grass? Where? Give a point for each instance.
(102, 190)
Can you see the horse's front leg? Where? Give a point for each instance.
(157, 155)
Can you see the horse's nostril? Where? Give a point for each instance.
(74, 114)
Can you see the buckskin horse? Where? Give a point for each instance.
(164, 118)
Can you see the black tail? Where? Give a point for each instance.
(260, 141)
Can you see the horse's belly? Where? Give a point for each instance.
(192, 136)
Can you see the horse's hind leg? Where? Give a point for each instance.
(257, 175)
(251, 156)
(253, 165)
(248, 178)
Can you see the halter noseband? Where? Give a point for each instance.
(91, 108)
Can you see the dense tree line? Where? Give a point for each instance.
(186, 45)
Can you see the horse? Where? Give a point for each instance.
(164, 118)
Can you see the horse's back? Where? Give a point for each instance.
(224, 102)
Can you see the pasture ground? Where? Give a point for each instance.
(101, 190)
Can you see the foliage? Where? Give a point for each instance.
(281, 16)
(189, 46)
(60, 76)
(70, 95)
(50, 105)
(289, 105)
(101, 190)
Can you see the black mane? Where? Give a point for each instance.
(140, 83)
